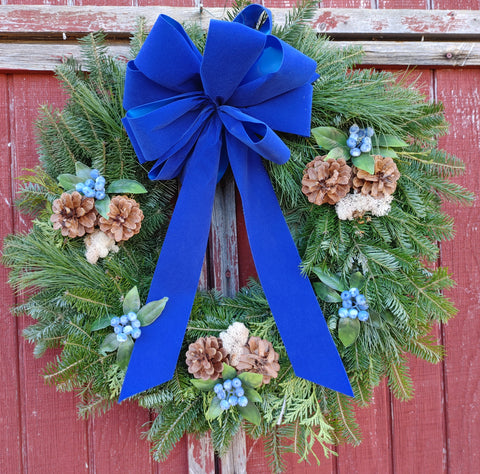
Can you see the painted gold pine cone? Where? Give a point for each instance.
(74, 214)
(381, 184)
(124, 219)
(205, 358)
(259, 357)
(326, 181)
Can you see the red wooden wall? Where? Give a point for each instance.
(437, 432)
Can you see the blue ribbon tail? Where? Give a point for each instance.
(294, 305)
(155, 353)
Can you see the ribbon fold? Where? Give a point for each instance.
(192, 116)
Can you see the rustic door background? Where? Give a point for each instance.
(438, 431)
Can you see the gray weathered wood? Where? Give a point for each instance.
(54, 21)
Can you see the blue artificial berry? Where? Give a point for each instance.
(121, 337)
(128, 329)
(354, 128)
(233, 400)
(94, 174)
(236, 382)
(136, 333)
(365, 147)
(100, 195)
(369, 131)
(239, 392)
(100, 181)
(361, 133)
(136, 324)
(79, 187)
(352, 313)
(351, 142)
(224, 405)
(343, 312)
(115, 321)
(88, 192)
(221, 395)
(243, 401)
(347, 304)
(218, 388)
(360, 300)
(118, 329)
(132, 316)
(124, 319)
(363, 315)
(90, 183)
(227, 385)
(354, 292)
(354, 136)
(355, 152)
(345, 295)
(362, 307)
(367, 140)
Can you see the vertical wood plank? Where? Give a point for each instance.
(460, 92)
(10, 396)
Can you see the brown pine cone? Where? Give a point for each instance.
(205, 358)
(382, 183)
(74, 214)
(259, 357)
(124, 219)
(326, 181)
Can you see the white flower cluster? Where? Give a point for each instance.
(356, 205)
(98, 245)
(234, 340)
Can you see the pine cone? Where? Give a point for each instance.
(326, 181)
(259, 357)
(381, 184)
(205, 358)
(74, 214)
(124, 219)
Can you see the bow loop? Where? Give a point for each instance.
(251, 15)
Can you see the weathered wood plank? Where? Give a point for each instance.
(58, 20)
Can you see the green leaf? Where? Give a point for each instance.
(214, 411)
(357, 280)
(103, 206)
(68, 181)
(124, 352)
(101, 323)
(389, 141)
(228, 372)
(131, 301)
(82, 170)
(338, 152)
(250, 413)
(250, 379)
(387, 152)
(151, 311)
(388, 316)
(325, 293)
(126, 186)
(375, 319)
(109, 344)
(252, 395)
(348, 330)
(332, 281)
(365, 162)
(204, 385)
(329, 137)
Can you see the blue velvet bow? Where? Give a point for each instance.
(192, 116)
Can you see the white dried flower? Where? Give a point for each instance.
(98, 245)
(234, 339)
(356, 205)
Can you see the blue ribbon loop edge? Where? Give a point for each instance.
(193, 116)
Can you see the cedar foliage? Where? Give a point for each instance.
(65, 295)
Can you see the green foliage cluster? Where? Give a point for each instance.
(66, 295)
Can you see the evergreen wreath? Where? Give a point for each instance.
(368, 221)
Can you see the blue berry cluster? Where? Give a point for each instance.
(353, 305)
(360, 140)
(125, 325)
(230, 393)
(93, 187)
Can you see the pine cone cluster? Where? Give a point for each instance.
(259, 357)
(124, 219)
(205, 358)
(326, 181)
(74, 214)
(380, 184)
